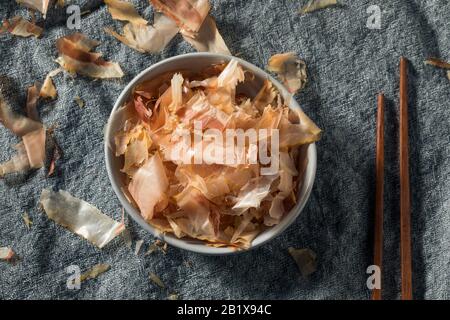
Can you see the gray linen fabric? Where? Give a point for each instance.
(348, 64)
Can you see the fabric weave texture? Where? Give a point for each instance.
(348, 64)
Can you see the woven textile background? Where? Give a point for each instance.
(348, 64)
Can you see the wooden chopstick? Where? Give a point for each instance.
(405, 205)
(378, 237)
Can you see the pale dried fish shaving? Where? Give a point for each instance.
(173, 296)
(40, 5)
(314, 5)
(306, 260)
(75, 56)
(188, 14)
(138, 247)
(6, 253)
(94, 272)
(79, 101)
(27, 220)
(31, 151)
(56, 155)
(16, 123)
(155, 279)
(157, 245)
(80, 217)
(290, 69)
(48, 89)
(21, 27)
(151, 176)
(438, 63)
(302, 133)
(254, 192)
(207, 39)
(146, 38)
(124, 11)
(34, 143)
(32, 100)
(18, 163)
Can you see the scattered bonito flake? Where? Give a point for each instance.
(27, 220)
(188, 14)
(16, 123)
(48, 89)
(438, 63)
(6, 253)
(207, 38)
(290, 69)
(124, 11)
(31, 150)
(173, 296)
(56, 155)
(80, 102)
(32, 100)
(306, 260)
(155, 279)
(95, 271)
(21, 27)
(187, 263)
(40, 5)
(157, 245)
(126, 235)
(75, 56)
(152, 248)
(139, 244)
(80, 217)
(145, 38)
(314, 5)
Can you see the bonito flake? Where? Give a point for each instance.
(147, 38)
(202, 189)
(75, 56)
(314, 5)
(440, 64)
(207, 38)
(190, 17)
(6, 253)
(306, 260)
(290, 69)
(80, 217)
(40, 5)
(95, 271)
(21, 27)
(188, 14)
(124, 11)
(31, 150)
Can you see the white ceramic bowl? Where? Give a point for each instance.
(197, 62)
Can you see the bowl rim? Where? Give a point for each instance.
(196, 245)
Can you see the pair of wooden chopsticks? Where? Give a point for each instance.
(405, 206)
